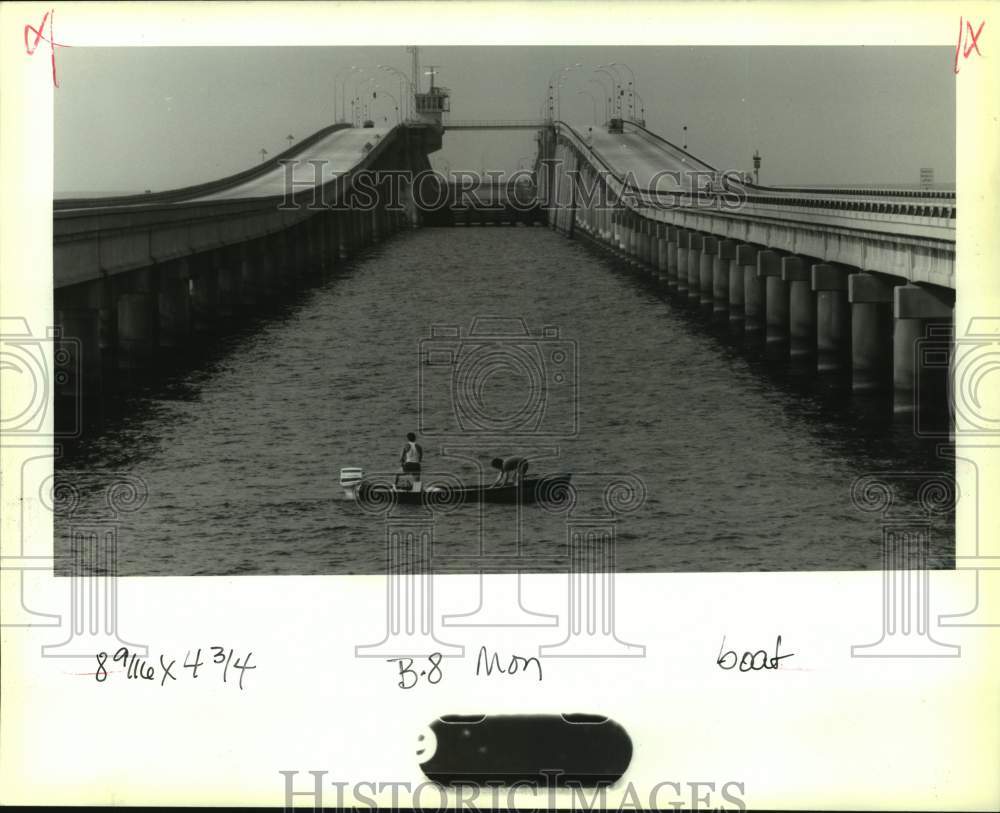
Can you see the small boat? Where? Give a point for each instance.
(551, 488)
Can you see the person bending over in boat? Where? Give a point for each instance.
(411, 457)
(510, 468)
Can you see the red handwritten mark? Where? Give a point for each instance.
(39, 35)
(971, 40)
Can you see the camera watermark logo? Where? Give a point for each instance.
(498, 381)
(31, 382)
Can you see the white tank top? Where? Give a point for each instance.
(412, 456)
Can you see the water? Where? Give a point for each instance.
(745, 465)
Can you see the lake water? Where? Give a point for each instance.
(744, 465)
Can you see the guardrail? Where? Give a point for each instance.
(497, 124)
(873, 204)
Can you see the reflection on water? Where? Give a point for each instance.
(746, 464)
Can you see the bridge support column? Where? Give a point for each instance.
(671, 275)
(683, 252)
(917, 310)
(174, 304)
(661, 254)
(871, 332)
(228, 282)
(754, 298)
(775, 300)
(720, 278)
(744, 263)
(344, 234)
(80, 338)
(797, 275)
(249, 269)
(136, 303)
(695, 242)
(833, 318)
(136, 330)
(204, 294)
(706, 272)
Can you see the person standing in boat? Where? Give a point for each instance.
(509, 468)
(411, 457)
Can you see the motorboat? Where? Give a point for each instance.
(413, 492)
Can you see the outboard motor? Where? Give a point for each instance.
(350, 479)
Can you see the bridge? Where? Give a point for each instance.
(501, 124)
(846, 280)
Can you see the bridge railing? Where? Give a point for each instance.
(941, 209)
(497, 124)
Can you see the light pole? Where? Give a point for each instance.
(592, 99)
(604, 95)
(336, 78)
(395, 101)
(566, 71)
(263, 154)
(404, 81)
(615, 86)
(343, 93)
(642, 109)
(631, 86)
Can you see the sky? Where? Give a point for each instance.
(130, 119)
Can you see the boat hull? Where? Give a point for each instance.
(551, 489)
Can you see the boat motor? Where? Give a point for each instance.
(350, 479)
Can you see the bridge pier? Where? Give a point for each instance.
(695, 242)
(870, 297)
(706, 272)
(797, 275)
(174, 304)
(203, 285)
(80, 330)
(683, 254)
(720, 278)
(661, 253)
(769, 265)
(229, 282)
(916, 384)
(744, 262)
(136, 309)
(754, 296)
(833, 318)
(672, 270)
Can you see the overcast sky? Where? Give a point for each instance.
(129, 119)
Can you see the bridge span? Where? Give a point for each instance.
(846, 279)
(849, 279)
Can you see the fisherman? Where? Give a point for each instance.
(410, 458)
(509, 467)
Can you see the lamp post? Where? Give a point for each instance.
(343, 93)
(263, 154)
(604, 95)
(592, 99)
(631, 85)
(562, 79)
(615, 87)
(404, 82)
(395, 101)
(338, 77)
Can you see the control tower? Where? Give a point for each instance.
(431, 107)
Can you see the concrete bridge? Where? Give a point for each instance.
(137, 277)
(847, 279)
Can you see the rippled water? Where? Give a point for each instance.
(745, 465)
